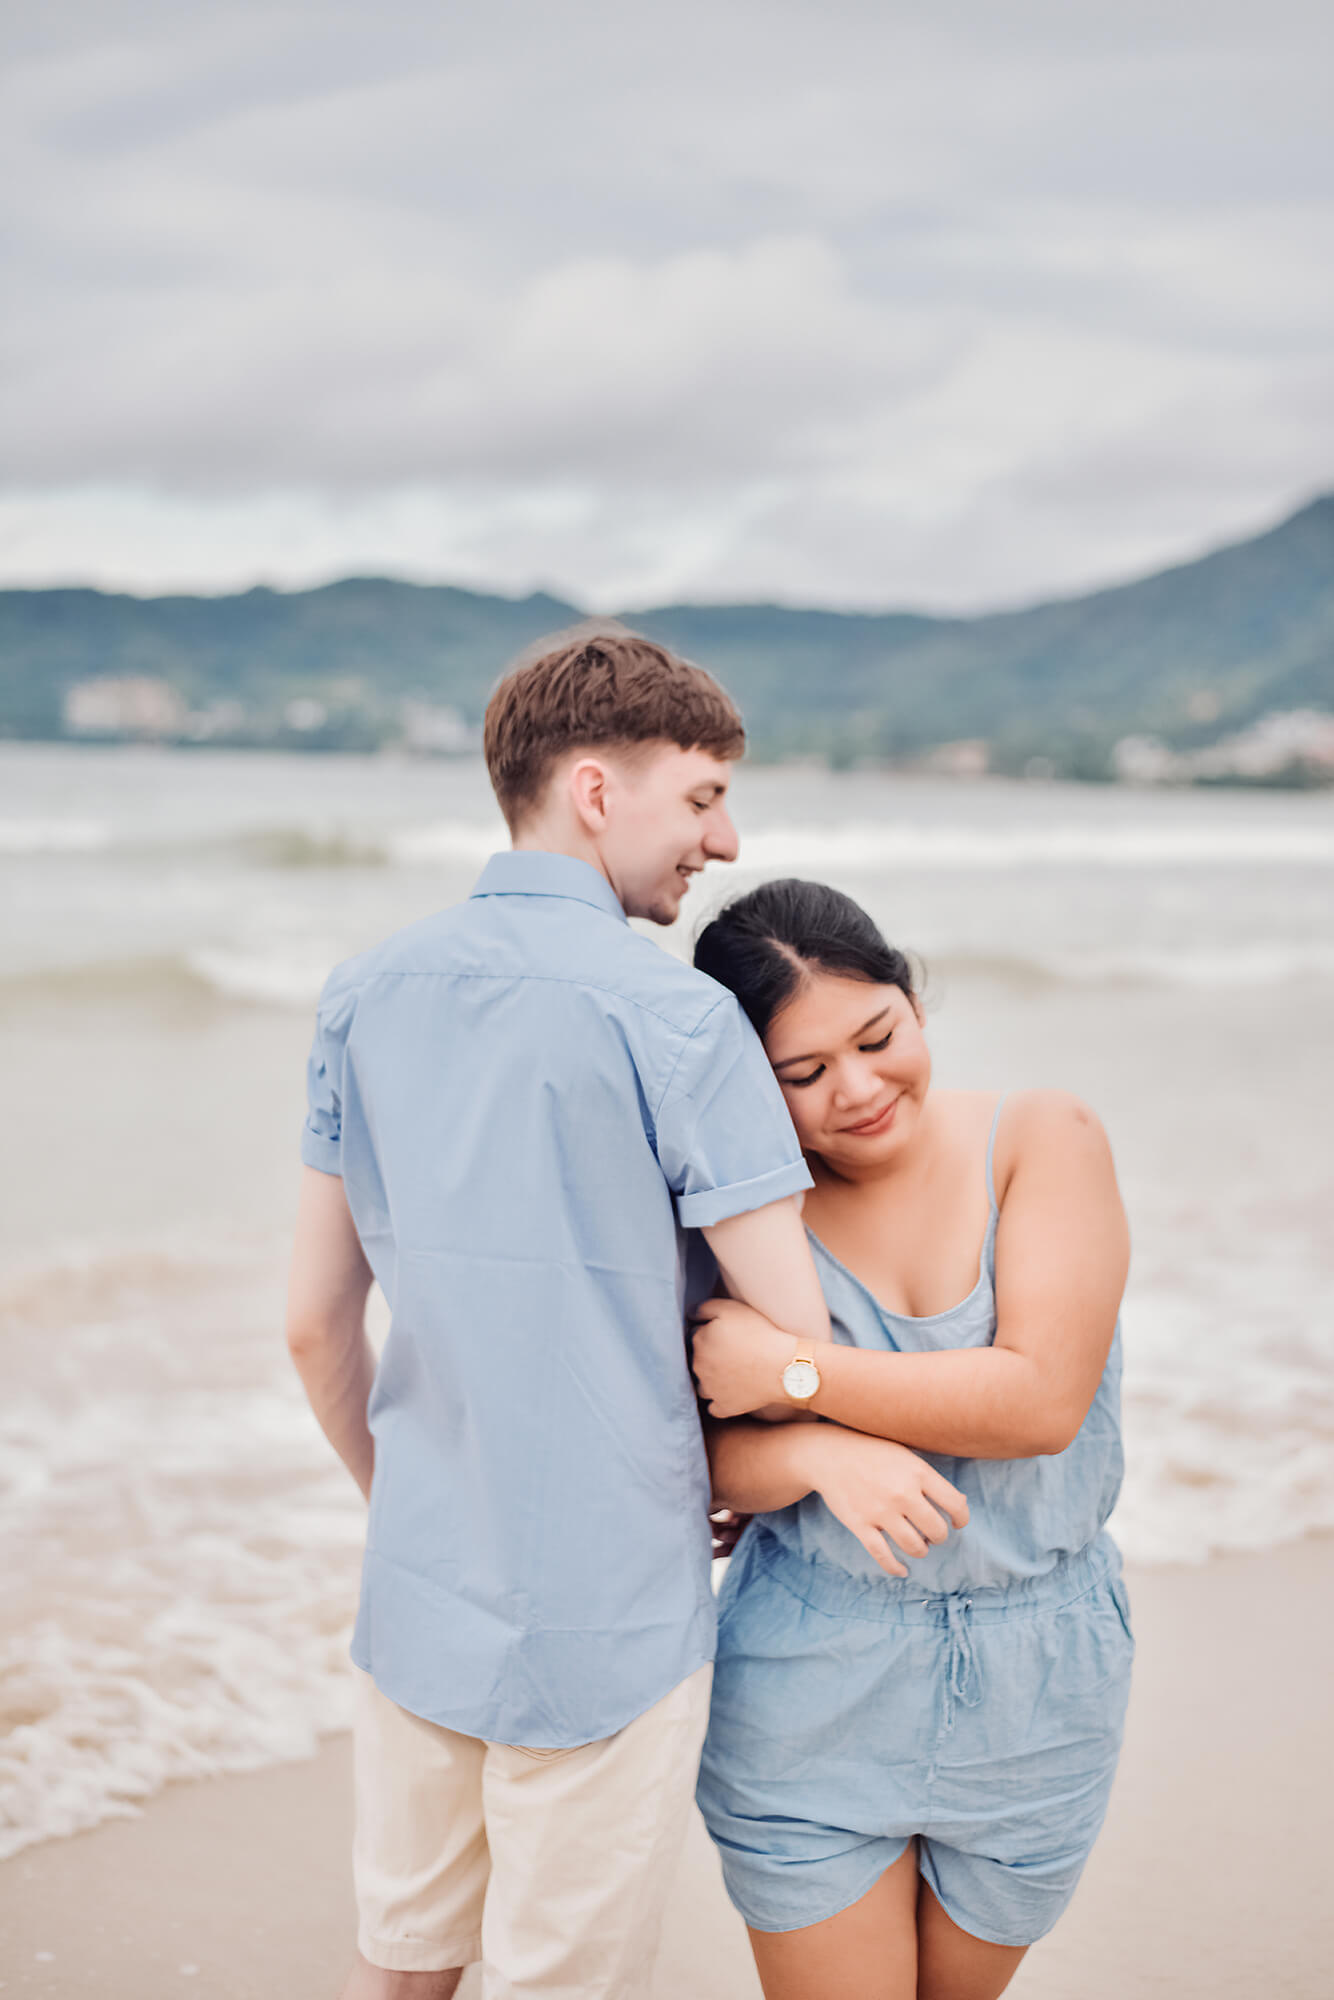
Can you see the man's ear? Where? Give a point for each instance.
(588, 781)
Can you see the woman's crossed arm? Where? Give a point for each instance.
(1062, 1252)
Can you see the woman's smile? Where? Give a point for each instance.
(870, 1128)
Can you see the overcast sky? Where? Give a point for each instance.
(947, 305)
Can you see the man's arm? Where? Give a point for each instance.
(766, 1262)
(766, 1251)
(326, 1320)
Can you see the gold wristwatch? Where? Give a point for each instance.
(801, 1377)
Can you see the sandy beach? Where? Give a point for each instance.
(1211, 1878)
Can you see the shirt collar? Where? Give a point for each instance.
(529, 873)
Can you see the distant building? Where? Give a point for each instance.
(1144, 760)
(1278, 742)
(220, 718)
(968, 758)
(135, 706)
(1298, 740)
(437, 731)
(305, 713)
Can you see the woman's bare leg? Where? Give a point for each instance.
(869, 1950)
(951, 1965)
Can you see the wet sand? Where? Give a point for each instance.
(1211, 1878)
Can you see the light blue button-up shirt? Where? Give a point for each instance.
(529, 1103)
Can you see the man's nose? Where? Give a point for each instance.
(721, 842)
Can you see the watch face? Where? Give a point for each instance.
(801, 1379)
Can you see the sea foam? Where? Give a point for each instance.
(274, 977)
(53, 836)
(913, 845)
(192, 1544)
(918, 844)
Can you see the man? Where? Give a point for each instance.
(517, 1107)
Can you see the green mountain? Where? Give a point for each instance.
(1192, 654)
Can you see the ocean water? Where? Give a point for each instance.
(187, 1546)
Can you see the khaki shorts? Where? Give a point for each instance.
(551, 1866)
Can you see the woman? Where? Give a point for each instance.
(908, 1761)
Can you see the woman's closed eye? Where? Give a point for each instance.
(865, 1048)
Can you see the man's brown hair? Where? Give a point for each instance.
(600, 691)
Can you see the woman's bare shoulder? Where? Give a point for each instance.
(1049, 1127)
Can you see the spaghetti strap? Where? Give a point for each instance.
(991, 1151)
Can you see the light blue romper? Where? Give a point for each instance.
(977, 1703)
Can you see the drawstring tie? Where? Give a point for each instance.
(961, 1672)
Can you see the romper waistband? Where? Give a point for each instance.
(898, 1600)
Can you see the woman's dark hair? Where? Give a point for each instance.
(762, 944)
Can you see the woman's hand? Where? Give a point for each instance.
(877, 1488)
(727, 1529)
(738, 1357)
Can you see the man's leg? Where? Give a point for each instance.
(420, 1861)
(371, 1982)
(584, 1845)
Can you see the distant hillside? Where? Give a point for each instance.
(1196, 653)
(1188, 655)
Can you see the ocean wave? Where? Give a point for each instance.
(174, 980)
(292, 979)
(910, 844)
(191, 1544)
(914, 845)
(447, 840)
(53, 836)
(242, 974)
(1229, 1398)
(90, 1730)
(281, 979)
(1279, 964)
(313, 847)
(86, 1281)
(212, 1554)
(850, 846)
(272, 978)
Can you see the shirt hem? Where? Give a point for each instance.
(709, 1205)
(325, 1155)
(468, 1723)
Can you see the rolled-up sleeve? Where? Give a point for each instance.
(724, 1138)
(322, 1134)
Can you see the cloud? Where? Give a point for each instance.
(850, 303)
